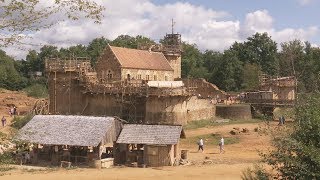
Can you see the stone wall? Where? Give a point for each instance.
(175, 63)
(234, 111)
(178, 110)
(108, 62)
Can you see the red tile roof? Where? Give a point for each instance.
(141, 59)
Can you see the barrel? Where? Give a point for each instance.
(184, 154)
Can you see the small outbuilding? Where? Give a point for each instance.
(71, 139)
(149, 145)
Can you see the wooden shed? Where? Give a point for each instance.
(76, 139)
(149, 145)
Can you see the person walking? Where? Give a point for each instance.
(283, 120)
(14, 110)
(200, 143)
(4, 121)
(221, 145)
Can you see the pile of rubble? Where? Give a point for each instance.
(237, 130)
(184, 162)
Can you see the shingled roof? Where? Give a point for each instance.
(150, 134)
(68, 130)
(141, 59)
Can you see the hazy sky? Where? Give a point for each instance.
(211, 24)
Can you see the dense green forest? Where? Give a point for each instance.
(235, 69)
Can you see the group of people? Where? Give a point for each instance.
(221, 145)
(13, 111)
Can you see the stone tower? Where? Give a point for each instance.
(172, 49)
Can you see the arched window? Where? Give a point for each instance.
(109, 74)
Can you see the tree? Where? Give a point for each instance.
(73, 51)
(142, 41)
(313, 82)
(259, 49)
(229, 76)
(124, 41)
(212, 62)
(296, 153)
(291, 57)
(23, 16)
(250, 76)
(192, 62)
(47, 51)
(32, 62)
(9, 76)
(300, 60)
(96, 47)
(131, 42)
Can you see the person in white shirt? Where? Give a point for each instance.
(27, 158)
(221, 144)
(200, 143)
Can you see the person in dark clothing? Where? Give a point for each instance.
(283, 119)
(14, 110)
(4, 121)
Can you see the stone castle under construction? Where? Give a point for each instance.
(140, 86)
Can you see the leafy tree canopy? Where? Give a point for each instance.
(21, 16)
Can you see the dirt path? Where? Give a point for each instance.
(219, 171)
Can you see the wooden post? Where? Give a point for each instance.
(55, 91)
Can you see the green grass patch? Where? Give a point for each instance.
(37, 91)
(211, 138)
(5, 159)
(3, 136)
(211, 122)
(19, 121)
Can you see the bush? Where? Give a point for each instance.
(37, 91)
(257, 173)
(296, 151)
(19, 122)
(6, 158)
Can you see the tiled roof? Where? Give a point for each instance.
(66, 130)
(150, 134)
(141, 59)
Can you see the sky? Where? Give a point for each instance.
(210, 24)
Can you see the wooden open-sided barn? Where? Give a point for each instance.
(76, 139)
(149, 145)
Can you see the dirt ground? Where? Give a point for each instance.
(229, 165)
(207, 165)
(8, 99)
